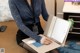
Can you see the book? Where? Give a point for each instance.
(56, 29)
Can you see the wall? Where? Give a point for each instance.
(50, 6)
(60, 4)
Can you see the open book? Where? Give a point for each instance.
(57, 29)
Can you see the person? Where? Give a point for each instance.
(26, 15)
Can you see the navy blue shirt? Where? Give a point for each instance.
(23, 14)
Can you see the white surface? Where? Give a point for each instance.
(60, 30)
(5, 14)
(49, 26)
(68, 7)
(57, 28)
(30, 41)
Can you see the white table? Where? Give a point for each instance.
(69, 8)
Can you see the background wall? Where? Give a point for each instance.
(50, 5)
(60, 4)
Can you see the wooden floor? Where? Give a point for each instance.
(8, 39)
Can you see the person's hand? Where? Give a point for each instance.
(45, 40)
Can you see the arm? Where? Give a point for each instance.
(44, 11)
(22, 27)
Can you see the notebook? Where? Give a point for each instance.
(56, 29)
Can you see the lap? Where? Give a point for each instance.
(30, 50)
(25, 46)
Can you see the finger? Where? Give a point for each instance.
(47, 42)
(49, 39)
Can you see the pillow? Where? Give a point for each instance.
(5, 14)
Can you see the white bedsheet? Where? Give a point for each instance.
(5, 14)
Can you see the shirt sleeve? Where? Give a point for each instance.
(44, 11)
(20, 24)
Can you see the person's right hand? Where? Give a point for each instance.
(45, 40)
